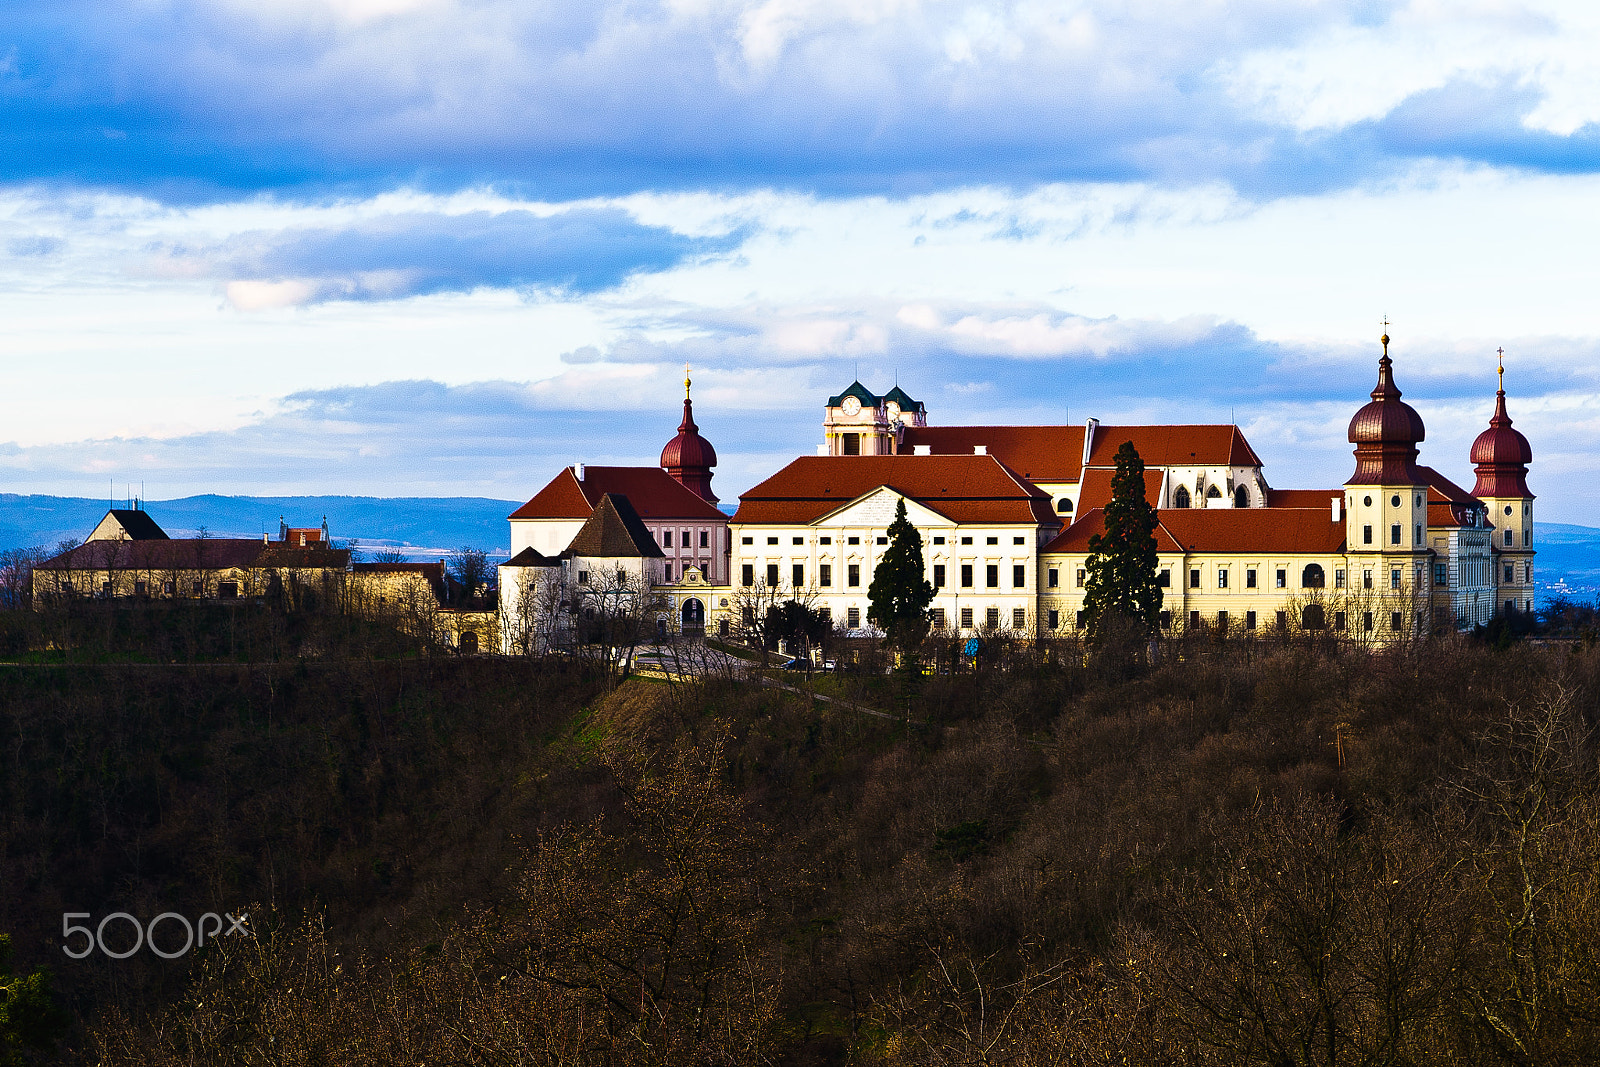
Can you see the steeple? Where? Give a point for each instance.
(1501, 455)
(689, 457)
(1385, 433)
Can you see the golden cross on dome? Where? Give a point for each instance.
(686, 381)
(1385, 337)
(1502, 353)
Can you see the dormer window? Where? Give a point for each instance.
(1065, 506)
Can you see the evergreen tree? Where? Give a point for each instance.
(1122, 561)
(899, 594)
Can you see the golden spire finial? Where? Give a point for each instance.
(1385, 337)
(1502, 372)
(686, 381)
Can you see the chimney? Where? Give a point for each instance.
(1088, 439)
(263, 537)
(922, 450)
(1338, 509)
(980, 450)
(577, 471)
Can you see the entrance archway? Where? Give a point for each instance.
(692, 616)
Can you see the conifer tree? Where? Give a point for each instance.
(899, 594)
(1122, 561)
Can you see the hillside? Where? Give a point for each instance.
(476, 860)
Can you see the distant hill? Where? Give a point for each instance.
(1567, 552)
(419, 526)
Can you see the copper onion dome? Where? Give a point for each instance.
(689, 457)
(1501, 455)
(1385, 433)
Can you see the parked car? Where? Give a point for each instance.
(797, 665)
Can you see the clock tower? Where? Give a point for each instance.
(858, 422)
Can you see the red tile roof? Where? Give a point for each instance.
(1304, 498)
(654, 494)
(1442, 488)
(1240, 530)
(964, 489)
(1055, 453)
(1175, 446)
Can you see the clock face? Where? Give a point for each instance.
(851, 406)
(894, 410)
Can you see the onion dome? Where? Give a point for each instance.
(689, 457)
(1385, 433)
(1500, 455)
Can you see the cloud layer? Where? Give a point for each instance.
(195, 97)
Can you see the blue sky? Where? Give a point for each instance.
(408, 247)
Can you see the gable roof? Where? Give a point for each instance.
(1304, 498)
(654, 494)
(967, 489)
(1280, 531)
(136, 524)
(615, 529)
(529, 557)
(898, 396)
(1054, 454)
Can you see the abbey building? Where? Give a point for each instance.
(1006, 514)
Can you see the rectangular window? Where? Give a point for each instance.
(1019, 576)
(966, 540)
(169, 587)
(1164, 579)
(227, 590)
(799, 540)
(1338, 577)
(938, 540)
(583, 577)
(1165, 619)
(937, 618)
(1054, 619)
(1441, 573)
(1509, 571)
(1394, 534)
(666, 538)
(747, 575)
(966, 576)
(966, 618)
(991, 540)
(1019, 618)
(200, 588)
(666, 572)
(1018, 541)
(1366, 579)
(825, 575)
(1366, 621)
(772, 575)
(1527, 572)
(705, 538)
(1281, 620)
(938, 575)
(1366, 535)
(1222, 577)
(826, 613)
(1394, 578)
(1338, 620)
(799, 575)
(1222, 621)
(772, 540)
(883, 540)
(1194, 620)
(1194, 578)
(1418, 541)
(1249, 620)
(1250, 578)
(991, 618)
(1281, 578)
(747, 540)
(852, 617)
(1396, 621)
(1527, 538)
(851, 443)
(1508, 538)
(853, 541)
(991, 574)
(1081, 577)
(853, 578)
(824, 540)
(1082, 619)
(1053, 577)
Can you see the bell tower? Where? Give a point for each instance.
(1386, 513)
(689, 457)
(1500, 458)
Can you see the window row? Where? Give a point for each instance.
(852, 575)
(880, 539)
(664, 537)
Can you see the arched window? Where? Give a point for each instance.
(1311, 578)
(469, 643)
(1312, 617)
(1213, 493)
(1180, 499)
(1241, 497)
(1065, 505)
